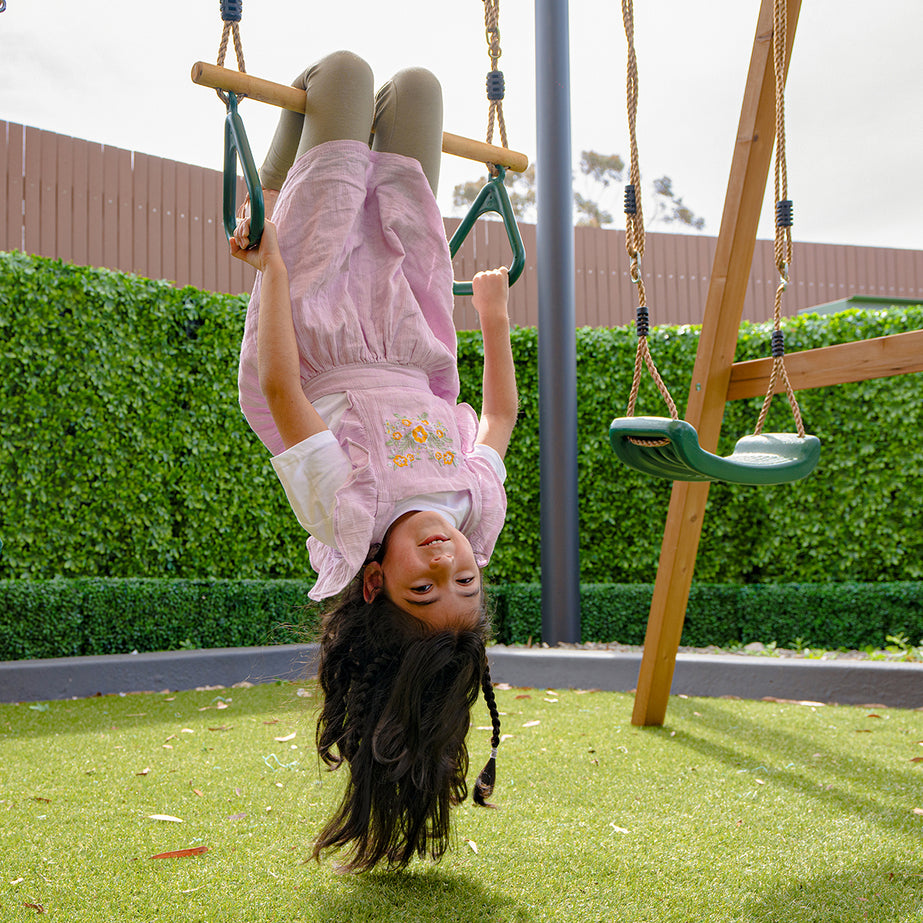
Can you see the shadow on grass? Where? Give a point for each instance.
(418, 896)
(854, 783)
(883, 893)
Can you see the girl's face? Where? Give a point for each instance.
(428, 570)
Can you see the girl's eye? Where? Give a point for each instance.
(425, 588)
(465, 581)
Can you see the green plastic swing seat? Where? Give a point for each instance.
(772, 458)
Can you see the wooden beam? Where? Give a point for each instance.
(707, 395)
(882, 357)
(287, 97)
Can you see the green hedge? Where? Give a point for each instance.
(68, 618)
(60, 618)
(828, 615)
(618, 612)
(123, 452)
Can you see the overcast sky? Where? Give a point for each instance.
(117, 72)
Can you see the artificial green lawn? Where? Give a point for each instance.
(733, 811)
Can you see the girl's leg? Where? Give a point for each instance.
(339, 105)
(408, 119)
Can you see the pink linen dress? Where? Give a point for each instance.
(371, 286)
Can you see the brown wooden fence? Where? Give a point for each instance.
(95, 205)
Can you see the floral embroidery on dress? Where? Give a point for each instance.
(411, 438)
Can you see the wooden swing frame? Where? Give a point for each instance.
(717, 379)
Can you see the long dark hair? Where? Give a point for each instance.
(396, 710)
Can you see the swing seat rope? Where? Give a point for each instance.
(668, 447)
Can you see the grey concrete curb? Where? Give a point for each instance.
(80, 677)
(848, 682)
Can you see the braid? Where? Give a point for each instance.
(357, 704)
(484, 786)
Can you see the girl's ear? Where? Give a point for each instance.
(373, 581)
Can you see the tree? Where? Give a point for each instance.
(669, 206)
(600, 176)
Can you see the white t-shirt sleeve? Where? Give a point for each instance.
(311, 473)
(493, 457)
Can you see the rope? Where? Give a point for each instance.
(783, 238)
(494, 78)
(634, 239)
(231, 29)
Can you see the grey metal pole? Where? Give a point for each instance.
(557, 351)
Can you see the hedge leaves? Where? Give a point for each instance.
(123, 452)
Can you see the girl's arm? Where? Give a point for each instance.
(277, 350)
(500, 399)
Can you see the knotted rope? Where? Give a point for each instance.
(231, 28)
(495, 83)
(783, 238)
(634, 240)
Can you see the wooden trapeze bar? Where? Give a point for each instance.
(287, 97)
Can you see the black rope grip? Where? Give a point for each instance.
(778, 344)
(232, 10)
(784, 213)
(631, 204)
(495, 85)
(641, 323)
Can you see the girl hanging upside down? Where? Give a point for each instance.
(348, 374)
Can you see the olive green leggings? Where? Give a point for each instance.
(404, 117)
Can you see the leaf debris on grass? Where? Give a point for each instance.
(181, 853)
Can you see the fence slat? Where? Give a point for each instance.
(96, 197)
(11, 216)
(48, 238)
(183, 221)
(126, 210)
(64, 198)
(154, 218)
(80, 202)
(196, 224)
(140, 256)
(212, 225)
(5, 198)
(168, 220)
